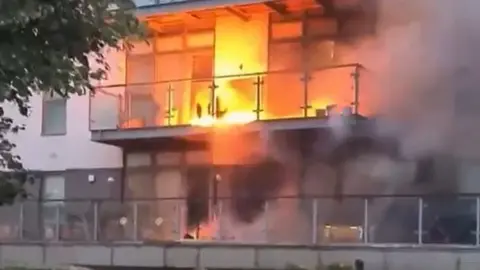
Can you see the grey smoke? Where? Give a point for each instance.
(425, 60)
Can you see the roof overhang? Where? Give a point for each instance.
(189, 5)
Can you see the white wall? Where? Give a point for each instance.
(71, 151)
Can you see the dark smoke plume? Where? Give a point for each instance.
(251, 186)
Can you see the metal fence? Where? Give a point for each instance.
(362, 220)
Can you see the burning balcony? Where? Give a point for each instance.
(233, 66)
(227, 99)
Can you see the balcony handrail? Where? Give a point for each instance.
(309, 197)
(242, 75)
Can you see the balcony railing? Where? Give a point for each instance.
(242, 98)
(359, 220)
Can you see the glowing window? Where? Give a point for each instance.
(286, 30)
(200, 39)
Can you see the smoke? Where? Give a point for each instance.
(424, 61)
(253, 186)
(422, 73)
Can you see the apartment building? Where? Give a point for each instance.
(209, 110)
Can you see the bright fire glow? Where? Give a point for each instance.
(233, 118)
(240, 48)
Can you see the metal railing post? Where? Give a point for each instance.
(356, 85)
(315, 221)
(21, 221)
(258, 97)
(365, 220)
(212, 108)
(95, 221)
(477, 227)
(306, 106)
(170, 113)
(135, 221)
(57, 222)
(420, 221)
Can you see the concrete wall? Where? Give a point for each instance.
(224, 256)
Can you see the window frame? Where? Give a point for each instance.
(305, 40)
(49, 98)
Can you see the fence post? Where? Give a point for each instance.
(21, 221)
(135, 221)
(57, 222)
(420, 221)
(477, 227)
(266, 221)
(315, 221)
(365, 220)
(95, 221)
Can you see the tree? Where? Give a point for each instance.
(51, 46)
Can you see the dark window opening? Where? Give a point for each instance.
(198, 186)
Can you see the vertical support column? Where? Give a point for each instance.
(420, 221)
(258, 97)
(355, 87)
(365, 220)
(170, 113)
(314, 221)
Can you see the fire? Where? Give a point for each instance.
(240, 49)
(233, 118)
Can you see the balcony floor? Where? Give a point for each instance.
(174, 136)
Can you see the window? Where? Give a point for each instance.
(304, 40)
(285, 43)
(285, 56)
(202, 65)
(53, 189)
(54, 118)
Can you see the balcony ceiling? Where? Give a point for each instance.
(194, 16)
(191, 16)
